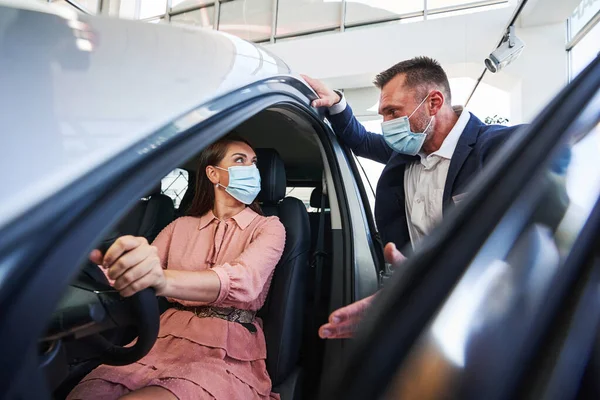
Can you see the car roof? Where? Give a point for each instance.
(78, 89)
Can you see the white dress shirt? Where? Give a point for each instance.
(339, 106)
(424, 183)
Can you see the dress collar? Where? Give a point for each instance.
(242, 219)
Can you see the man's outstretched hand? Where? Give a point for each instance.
(344, 321)
(327, 97)
(392, 255)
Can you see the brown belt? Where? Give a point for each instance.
(243, 317)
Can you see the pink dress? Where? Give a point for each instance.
(206, 358)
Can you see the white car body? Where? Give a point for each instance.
(100, 85)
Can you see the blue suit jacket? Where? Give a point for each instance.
(475, 147)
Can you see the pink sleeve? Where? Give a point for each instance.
(163, 242)
(244, 279)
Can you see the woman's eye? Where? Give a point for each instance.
(239, 160)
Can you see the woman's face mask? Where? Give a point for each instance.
(244, 182)
(400, 138)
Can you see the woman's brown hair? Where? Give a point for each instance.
(204, 198)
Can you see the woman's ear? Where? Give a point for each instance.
(212, 174)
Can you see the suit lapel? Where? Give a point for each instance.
(393, 174)
(395, 165)
(463, 148)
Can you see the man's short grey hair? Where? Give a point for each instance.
(419, 72)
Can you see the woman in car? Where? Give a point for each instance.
(216, 266)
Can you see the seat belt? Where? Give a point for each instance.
(317, 263)
(319, 254)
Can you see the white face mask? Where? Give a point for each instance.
(400, 138)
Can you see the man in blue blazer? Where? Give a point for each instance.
(455, 142)
(431, 150)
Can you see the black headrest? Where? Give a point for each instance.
(316, 196)
(272, 175)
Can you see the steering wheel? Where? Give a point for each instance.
(91, 307)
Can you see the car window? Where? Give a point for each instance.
(583, 172)
(175, 184)
(370, 170)
(581, 189)
(301, 193)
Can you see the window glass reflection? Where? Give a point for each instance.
(296, 16)
(432, 4)
(152, 8)
(248, 19)
(374, 24)
(585, 51)
(203, 17)
(90, 6)
(449, 12)
(584, 12)
(580, 188)
(359, 11)
(127, 9)
(184, 4)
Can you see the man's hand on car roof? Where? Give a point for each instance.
(327, 96)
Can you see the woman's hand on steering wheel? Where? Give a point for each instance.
(132, 265)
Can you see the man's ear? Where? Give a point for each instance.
(436, 101)
(212, 174)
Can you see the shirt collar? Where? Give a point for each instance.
(450, 142)
(245, 217)
(242, 219)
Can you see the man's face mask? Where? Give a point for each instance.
(400, 138)
(244, 182)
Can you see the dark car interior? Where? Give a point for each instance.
(297, 304)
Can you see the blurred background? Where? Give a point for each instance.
(347, 42)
